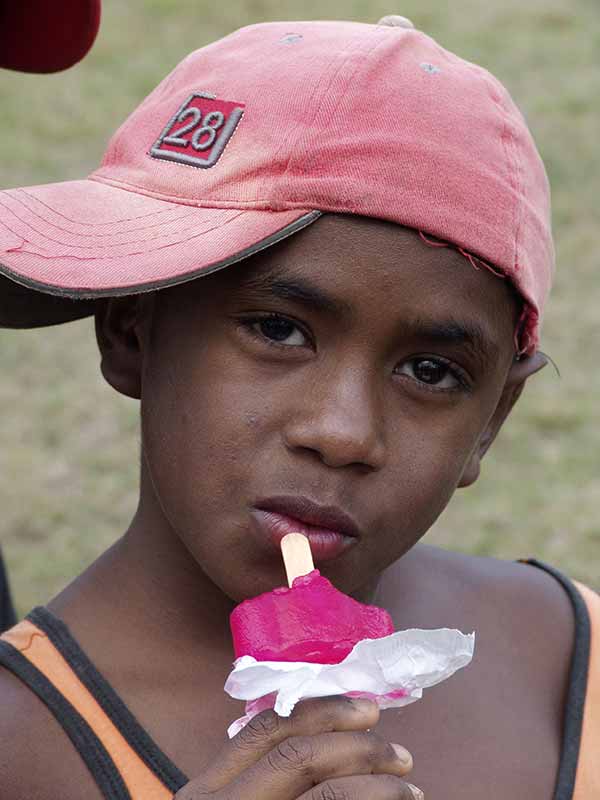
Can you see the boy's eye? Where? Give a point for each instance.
(280, 330)
(433, 372)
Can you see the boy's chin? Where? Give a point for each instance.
(354, 574)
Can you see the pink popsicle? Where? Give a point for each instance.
(310, 621)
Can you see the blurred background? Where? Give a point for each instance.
(69, 445)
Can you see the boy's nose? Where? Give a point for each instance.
(340, 420)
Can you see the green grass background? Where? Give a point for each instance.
(69, 444)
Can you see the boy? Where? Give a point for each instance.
(370, 220)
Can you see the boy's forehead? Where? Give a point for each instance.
(343, 246)
(359, 256)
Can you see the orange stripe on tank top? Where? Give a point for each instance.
(33, 643)
(587, 781)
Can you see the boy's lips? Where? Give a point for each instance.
(329, 530)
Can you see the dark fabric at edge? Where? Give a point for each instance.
(576, 694)
(8, 618)
(109, 700)
(90, 748)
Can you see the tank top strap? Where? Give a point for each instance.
(579, 769)
(122, 758)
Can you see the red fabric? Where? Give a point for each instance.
(338, 117)
(42, 36)
(122, 239)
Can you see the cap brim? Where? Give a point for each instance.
(38, 36)
(62, 245)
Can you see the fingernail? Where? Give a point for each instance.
(403, 755)
(417, 793)
(362, 705)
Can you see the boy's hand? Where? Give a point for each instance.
(323, 751)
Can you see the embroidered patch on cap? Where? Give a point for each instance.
(198, 131)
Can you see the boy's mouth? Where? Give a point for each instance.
(329, 530)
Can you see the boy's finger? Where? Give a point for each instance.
(300, 763)
(267, 729)
(373, 787)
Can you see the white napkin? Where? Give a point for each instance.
(392, 670)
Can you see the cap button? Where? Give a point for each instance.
(395, 21)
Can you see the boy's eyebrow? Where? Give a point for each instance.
(463, 332)
(297, 290)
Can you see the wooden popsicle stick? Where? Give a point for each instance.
(295, 549)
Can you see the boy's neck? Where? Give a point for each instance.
(148, 586)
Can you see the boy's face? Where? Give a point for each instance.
(352, 366)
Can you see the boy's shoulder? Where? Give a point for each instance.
(37, 756)
(514, 690)
(454, 584)
(523, 618)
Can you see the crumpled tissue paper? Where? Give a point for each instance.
(392, 670)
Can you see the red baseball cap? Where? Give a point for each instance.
(251, 138)
(40, 36)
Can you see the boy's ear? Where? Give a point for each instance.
(119, 336)
(519, 372)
